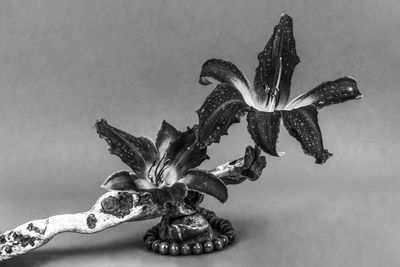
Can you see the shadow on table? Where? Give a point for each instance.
(249, 228)
(40, 257)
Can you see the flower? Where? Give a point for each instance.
(266, 103)
(165, 168)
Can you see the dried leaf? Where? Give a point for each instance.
(253, 163)
(248, 167)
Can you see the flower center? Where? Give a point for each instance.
(156, 176)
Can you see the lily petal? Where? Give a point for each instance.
(137, 153)
(123, 180)
(183, 154)
(264, 129)
(206, 183)
(276, 66)
(302, 124)
(143, 145)
(328, 93)
(221, 71)
(165, 136)
(223, 107)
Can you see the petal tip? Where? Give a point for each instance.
(119, 180)
(103, 185)
(324, 157)
(204, 81)
(349, 77)
(102, 120)
(108, 188)
(225, 199)
(285, 18)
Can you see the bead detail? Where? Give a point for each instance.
(228, 235)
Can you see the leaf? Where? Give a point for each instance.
(123, 180)
(264, 129)
(183, 154)
(223, 107)
(134, 152)
(328, 93)
(205, 183)
(302, 124)
(165, 136)
(276, 64)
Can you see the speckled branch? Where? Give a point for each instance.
(110, 210)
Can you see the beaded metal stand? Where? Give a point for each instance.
(228, 235)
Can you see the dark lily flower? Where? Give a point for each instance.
(164, 168)
(266, 103)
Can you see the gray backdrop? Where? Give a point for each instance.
(64, 64)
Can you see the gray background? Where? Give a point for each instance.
(64, 64)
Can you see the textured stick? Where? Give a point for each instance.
(110, 210)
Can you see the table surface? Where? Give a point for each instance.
(307, 225)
